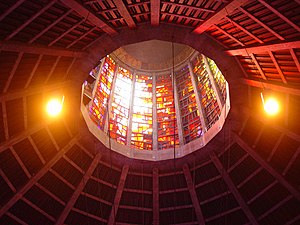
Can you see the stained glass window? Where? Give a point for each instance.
(98, 107)
(219, 78)
(129, 98)
(189, 113)
(120, 106)
(141, 136)
(166, 117)
(206, 92)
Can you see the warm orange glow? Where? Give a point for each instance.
(271, 106)
(54, 107)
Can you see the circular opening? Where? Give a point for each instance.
(148, 113)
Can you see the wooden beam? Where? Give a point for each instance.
(155, 12)
(52, 69)
(66, 32)
(90, 16)
(124, 13)
(219, 16)
(10, 9)
(155, 194)
(115, 206)
(245, 30)
(263, 48)
(81, 37)
(7, 181)
(229, 35)
(60, 18)
(267, 166)
(12, 72)
(5, 122)
(261, 23)
(284, 18)
(193, 194)
(274, 87)
(277, 67)
(189, 7)
(32, 91)
(233, 188)
(40, 12)
(33, 180)
(78, 190)
(258, 66)
(14, 46)
(295, 58)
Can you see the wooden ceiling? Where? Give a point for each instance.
(53, 172)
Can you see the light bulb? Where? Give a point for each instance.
(271, 106)
(54, 107)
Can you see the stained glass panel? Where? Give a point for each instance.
(166, 117)
(120, 106)
(98, 107)
(219, 78)
(206, 92)
(141, 136)
(189, 113)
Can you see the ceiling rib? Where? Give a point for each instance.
(10, 9)
(193, 194)
(16, 218)
(7, 181)
(219, 15)
(291, 161)
(228, 35)
(52, 69)
(124, 13)
(262, 191)
(50, 26)
(66, 32)
(155, 12)
(51, 218)
(19, 160)
(37, 63)
(233, 189)
(264, 48)
(115, 206)
(245, 30)
(12, 72)
(78, 190)
(81, 37)
(40, 12)
(189, 7)
(258, 66)
(33, 180)
(155, 189)
(275, 207)
(89, 16)
(277, 67)
(261, 23)
(36, 150)
(32, 91)
(5, 123)
(20, 47)
(295, 58)
(267, 167)
(280, 15)
(17, 138)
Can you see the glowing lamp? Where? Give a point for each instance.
(271, 105)
(54, 107)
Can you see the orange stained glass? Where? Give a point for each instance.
(219, 78)
(120, 106)
(206, 92)
(98, 107)
(166, 116)
(189, 113)
(141, 136)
